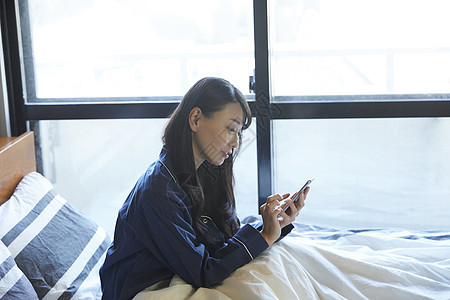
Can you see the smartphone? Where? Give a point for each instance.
(296, 195)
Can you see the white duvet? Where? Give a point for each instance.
(367, 265)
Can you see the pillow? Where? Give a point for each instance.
(13, 283)
(56, 247)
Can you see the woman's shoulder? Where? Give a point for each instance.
(155, 186)
(154, 194)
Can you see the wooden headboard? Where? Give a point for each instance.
(17, 159)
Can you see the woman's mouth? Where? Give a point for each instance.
(226, 154)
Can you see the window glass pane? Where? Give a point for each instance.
(117, 48)
(369, 172)
(352, 47)
(94, 164)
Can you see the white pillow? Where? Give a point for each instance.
(56, 247)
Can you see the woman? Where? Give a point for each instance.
(180, 217)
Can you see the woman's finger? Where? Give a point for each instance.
(300, 203)
(290, 203)
(276, 211)
(306, 192)
(274, 205)
(274, 197)
(262, 208)
(286, 219)
(286, 195)
(271, 208)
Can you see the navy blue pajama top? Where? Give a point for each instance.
(154, 239)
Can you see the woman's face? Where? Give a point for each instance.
(214, 138)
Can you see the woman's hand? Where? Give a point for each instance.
(270, 210)
(275, 218)
(294, 208)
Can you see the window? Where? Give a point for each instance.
(120, 49)
(369, 172)
(352, 90)
(340, 87)
(353, 47)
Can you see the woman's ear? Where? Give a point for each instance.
(194, 117)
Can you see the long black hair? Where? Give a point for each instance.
(210, 187)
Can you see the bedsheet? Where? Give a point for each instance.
(316, 262)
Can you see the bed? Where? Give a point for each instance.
(325, 263)
(49, 250)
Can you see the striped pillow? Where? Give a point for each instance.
(13, 284)
(56, 247)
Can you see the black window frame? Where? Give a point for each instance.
(16, 38)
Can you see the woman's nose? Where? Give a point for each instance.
(234, 142)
